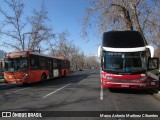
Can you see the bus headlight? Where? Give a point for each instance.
(5, 77)
(25, 76)
(143, 78)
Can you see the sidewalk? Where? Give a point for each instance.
(156, 94)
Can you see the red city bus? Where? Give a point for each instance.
(30, 67)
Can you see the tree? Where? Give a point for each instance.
(123, 15)
(40, 32)
(62, 46)
(91, 62)
(2, 54)
(157, 53)
(12, 25)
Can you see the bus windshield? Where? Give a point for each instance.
(124, 62)
(17, 64)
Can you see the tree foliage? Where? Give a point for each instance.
(141, 15)
(14, 26)
(62, 46)
(40, 32)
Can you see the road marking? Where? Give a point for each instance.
(56, 90)
(20, 90)
(16, 91)
(101, 93)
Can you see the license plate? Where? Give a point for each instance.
(124, 85)
(153, 83)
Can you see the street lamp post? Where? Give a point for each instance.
(23, 39)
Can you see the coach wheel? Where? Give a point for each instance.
(43, 77)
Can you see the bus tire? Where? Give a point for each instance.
(43, 77)
(64, 73)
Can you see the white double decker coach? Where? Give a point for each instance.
(126, 61)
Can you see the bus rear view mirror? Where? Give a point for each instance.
(153, 63)
(99, 51)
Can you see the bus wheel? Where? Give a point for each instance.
(43, 77)
(64, 73)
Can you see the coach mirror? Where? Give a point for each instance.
(153, 63)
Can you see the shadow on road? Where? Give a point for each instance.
(49, 82)
(132, 91)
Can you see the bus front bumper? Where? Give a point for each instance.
(152, 85)
(11, 81)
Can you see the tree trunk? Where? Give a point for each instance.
(136, 22)
(127, 17)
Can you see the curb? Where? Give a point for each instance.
(156, 94)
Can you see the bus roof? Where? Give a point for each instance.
(56, 57)
(123, 39)
(17, 54)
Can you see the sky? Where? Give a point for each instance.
(66, 15)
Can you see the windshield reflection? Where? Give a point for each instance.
(17, 64)
(120, 62)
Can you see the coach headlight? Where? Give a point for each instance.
(103, 76)
(109, 78)
(143, 78)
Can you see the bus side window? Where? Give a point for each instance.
(62, 64)
(34, 63)
(42, 63)
(55, 64)
(67, 64)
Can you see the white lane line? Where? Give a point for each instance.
(16, 91)
(101, 93)
(56, 90)
(20, 90)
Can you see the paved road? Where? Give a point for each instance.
(81, 91)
